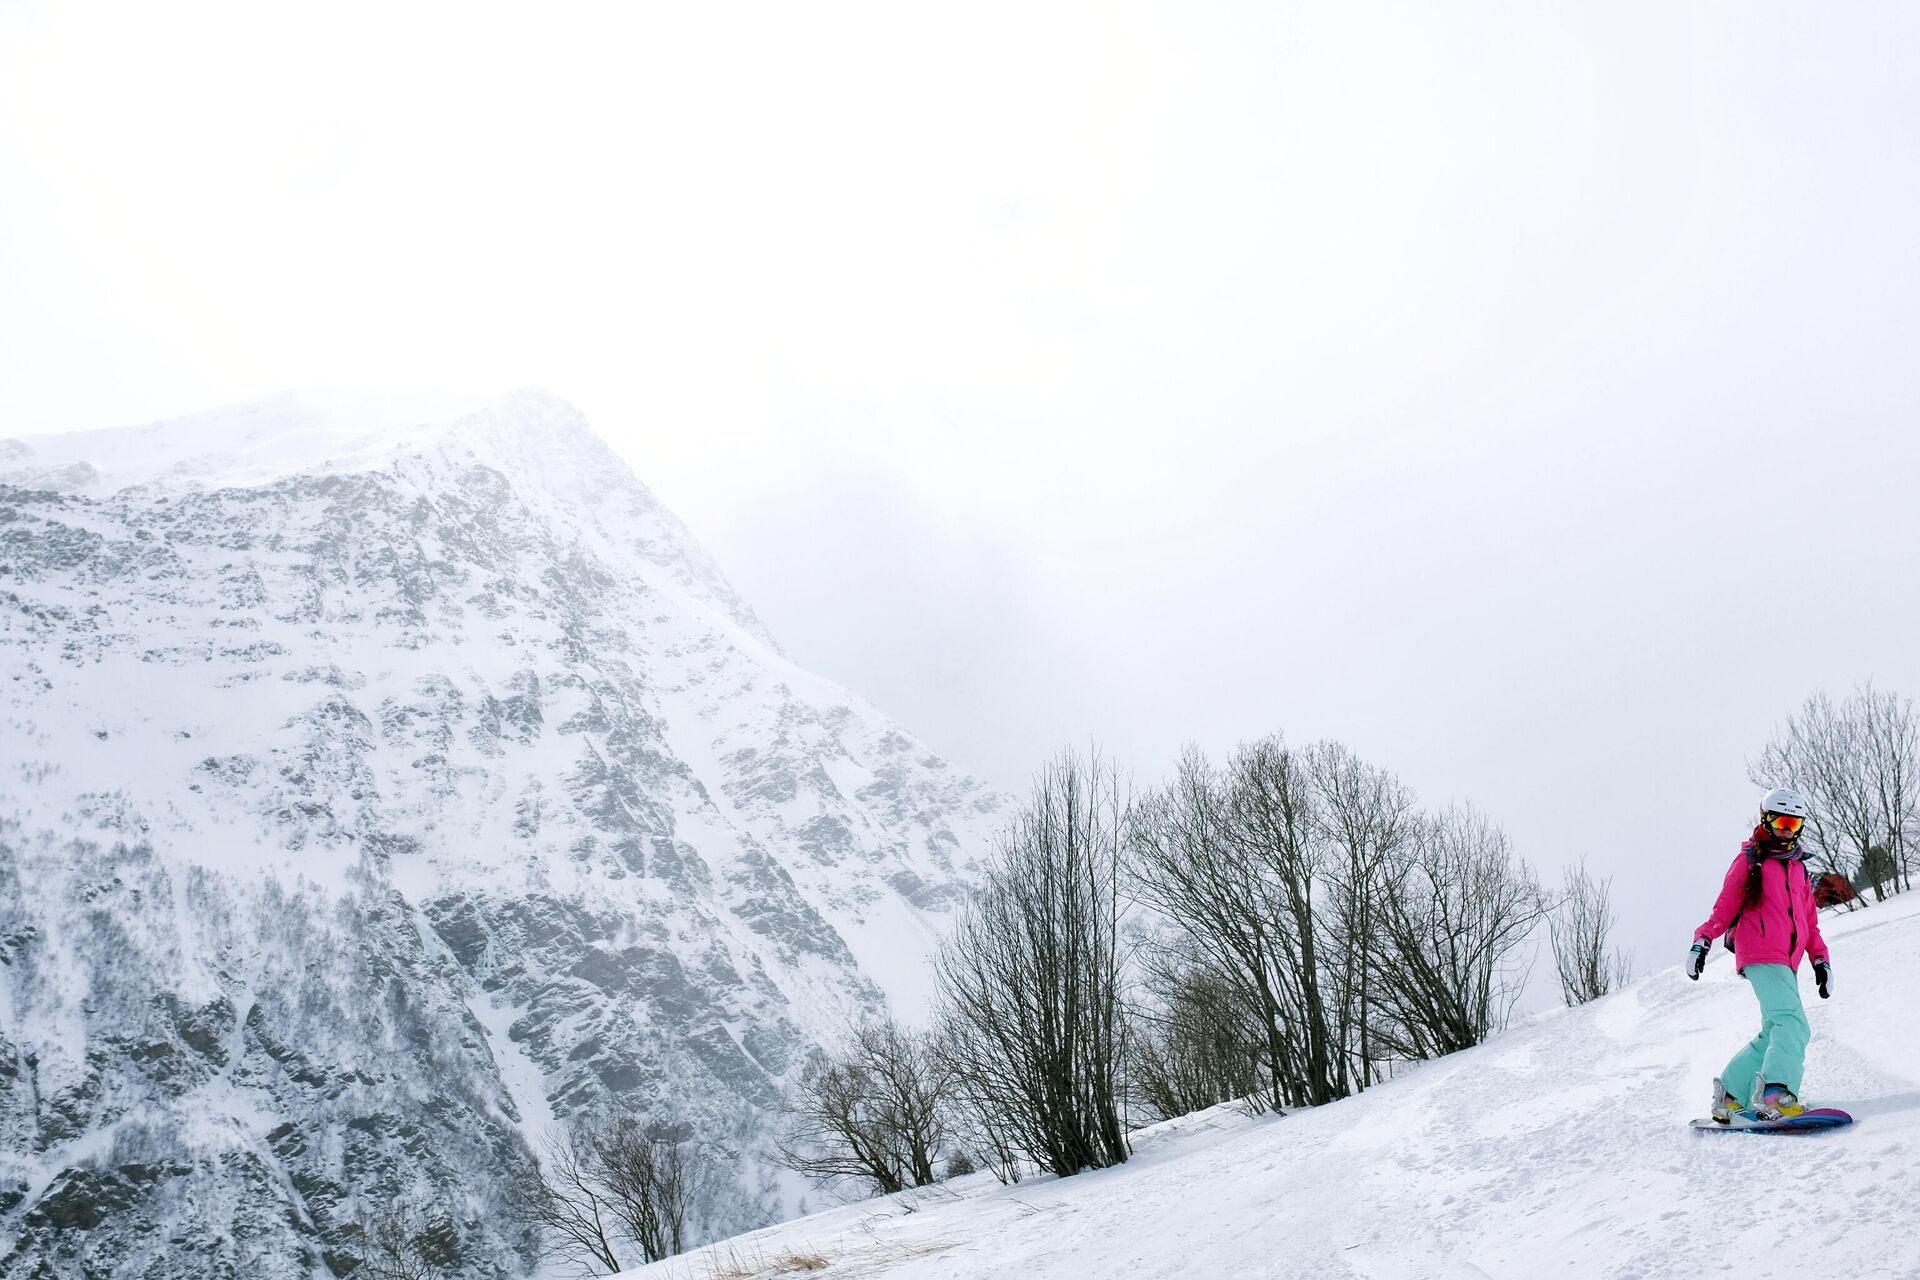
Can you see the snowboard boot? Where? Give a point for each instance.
(1776, 1102)
(1724, 1103)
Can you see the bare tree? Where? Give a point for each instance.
(1457, 907)
(1275, 829)
(402, 1244)
(984, 1123)
(1877, 869)
(837, 1133)
(575, 1214)
(1196, 1046)
(1368, 816)
(875, 1113)
(1858, 763)
(913, 1081)
(1890, 734)
(1184, 863)
(651, 1175)
(618, 1191)
(1582, 923)
(1817, 752)
(1030, 978)
(1273, 872)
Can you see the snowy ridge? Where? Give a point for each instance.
(541, 442)
(253, 443)
(381, 787)
(1558, 1148)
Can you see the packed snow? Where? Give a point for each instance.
(1560, 1148)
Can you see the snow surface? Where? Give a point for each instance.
(1558, 1148)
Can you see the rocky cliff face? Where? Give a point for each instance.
(378, 793)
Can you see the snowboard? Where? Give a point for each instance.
(1806, 1122)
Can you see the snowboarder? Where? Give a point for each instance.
(1767, 907)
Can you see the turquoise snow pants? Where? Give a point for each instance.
(1778, 1055)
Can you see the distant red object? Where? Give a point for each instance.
(1832, 889)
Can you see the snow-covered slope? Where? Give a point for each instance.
(1557, 1149)
(378, 786)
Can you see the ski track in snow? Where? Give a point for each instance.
(1557, 1148)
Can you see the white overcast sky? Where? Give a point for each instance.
(1523, 393)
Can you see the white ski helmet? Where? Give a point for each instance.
(1782, 800)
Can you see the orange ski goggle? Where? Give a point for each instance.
(1785, 823)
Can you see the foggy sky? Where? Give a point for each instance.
(1522, 394)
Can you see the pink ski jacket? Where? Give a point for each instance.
(1782, 928)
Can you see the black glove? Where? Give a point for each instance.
(1823, 977)
(1697, 957)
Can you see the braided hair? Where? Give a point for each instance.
(1765, 845)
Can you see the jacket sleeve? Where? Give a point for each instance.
(1816, 944)
(1732, 893)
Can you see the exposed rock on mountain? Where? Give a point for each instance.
(381, 787)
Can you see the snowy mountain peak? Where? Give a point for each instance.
(250, 443)
(384, 785)
(556, 461)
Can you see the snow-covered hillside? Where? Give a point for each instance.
(1557, 1149)
(381, 784)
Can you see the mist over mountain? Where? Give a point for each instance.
(385, 783)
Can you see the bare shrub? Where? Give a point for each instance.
(1197, 1047)
(403, 1244)
(619, 1191)
(875, 1113)
(1582, 924)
